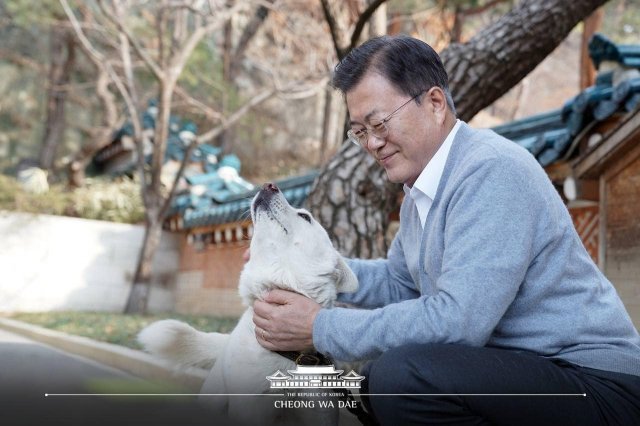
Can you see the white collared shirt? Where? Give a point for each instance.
(425, 187)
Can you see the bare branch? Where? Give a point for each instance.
(21, 60)
(181, 5)
(333, 29)
(93, 54)
(362, 20)
(160, 27)
(231, 120)
(107, 99)
(480, 9)
(177, 63)
(250, 30)
(127, 66)
(151, 64)
(302, 91)
(200, 106)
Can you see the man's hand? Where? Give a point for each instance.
(284, 321)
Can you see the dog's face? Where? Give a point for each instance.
(291, 251)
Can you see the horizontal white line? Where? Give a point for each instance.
(281, 394)
(163, 394)
(473, 394)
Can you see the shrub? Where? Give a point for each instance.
(56, 201)
(118, 201)
(112, 201)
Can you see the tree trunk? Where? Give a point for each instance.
(499, 56)
(480, 71)
(62, 57)
(353, 199)
(139, 294)
(227, 77)
(455, 34)
(153, 202)
(326, 124)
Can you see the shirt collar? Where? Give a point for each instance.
(428, 181)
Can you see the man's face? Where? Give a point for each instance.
(415, 131)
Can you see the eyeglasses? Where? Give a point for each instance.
(380, 130)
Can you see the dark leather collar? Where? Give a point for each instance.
(301, 358)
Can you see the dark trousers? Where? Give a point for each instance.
(450, 371)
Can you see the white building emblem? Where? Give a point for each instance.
(323, 376)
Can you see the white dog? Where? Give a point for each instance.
(289, 250)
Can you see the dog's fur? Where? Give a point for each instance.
(289, 250)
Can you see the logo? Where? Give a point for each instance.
(317, 377)
(331, 387)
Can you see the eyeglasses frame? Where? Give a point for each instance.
(351, 135)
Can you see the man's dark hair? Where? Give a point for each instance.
(411, 65)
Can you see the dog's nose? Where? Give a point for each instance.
(272, 187)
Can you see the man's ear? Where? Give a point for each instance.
(346, 281)
(438, 99)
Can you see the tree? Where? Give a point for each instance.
(176, 29)
(352, 197)
(62, 60)
(56, 65)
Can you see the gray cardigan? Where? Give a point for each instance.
(498, 264)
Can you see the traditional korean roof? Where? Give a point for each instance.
(181, 133)
(552, 136)
(545, 136)
(602, 49)
(211, 191)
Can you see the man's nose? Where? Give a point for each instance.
(374, 142)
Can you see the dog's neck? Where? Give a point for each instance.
(260, 290)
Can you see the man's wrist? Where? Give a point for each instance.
(318, 327)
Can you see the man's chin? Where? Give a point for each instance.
(394, 177)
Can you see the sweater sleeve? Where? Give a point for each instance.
(491, 221)
(381, 281)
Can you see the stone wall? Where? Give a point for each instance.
(61, 263)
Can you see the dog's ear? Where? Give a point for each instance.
(347, 282)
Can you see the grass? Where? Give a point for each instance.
(119, 329)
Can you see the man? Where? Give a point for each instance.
(488, 309)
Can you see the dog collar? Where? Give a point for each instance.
(301, 358)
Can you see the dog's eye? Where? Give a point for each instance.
(305, 216)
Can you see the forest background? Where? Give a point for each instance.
(254, 77)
